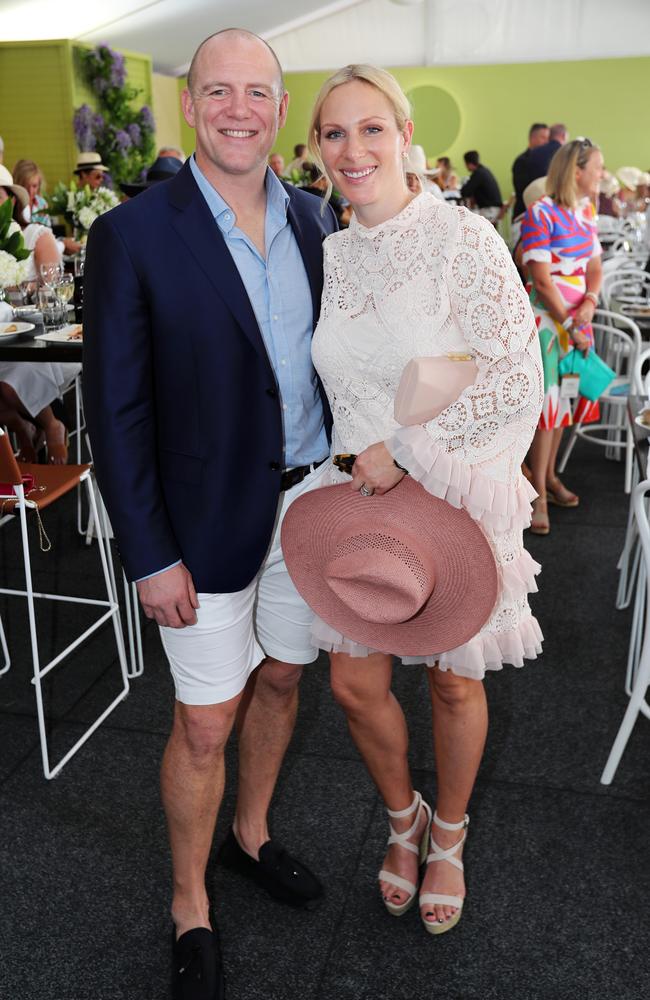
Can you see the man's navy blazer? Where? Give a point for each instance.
(181, 401)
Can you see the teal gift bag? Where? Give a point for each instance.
(594, 374)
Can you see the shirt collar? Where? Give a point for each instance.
(277, 199)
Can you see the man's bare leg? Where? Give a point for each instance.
(192, 783)
(265, 723)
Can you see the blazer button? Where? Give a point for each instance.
(274, 466)
(273, 393)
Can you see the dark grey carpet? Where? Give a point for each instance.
(557, 865)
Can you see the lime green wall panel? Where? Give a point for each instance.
(35, 106)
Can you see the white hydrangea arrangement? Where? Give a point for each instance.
(14, 256)
(82, 206)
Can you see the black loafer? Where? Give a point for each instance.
(283, 877)
(197, 970)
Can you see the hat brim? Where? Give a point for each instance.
(20, 192)
(466, 579)
(90, 166)
(131, 190)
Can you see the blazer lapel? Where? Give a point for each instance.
(196, 227)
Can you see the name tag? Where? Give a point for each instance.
(569, 386)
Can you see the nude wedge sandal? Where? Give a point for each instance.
(444, 854)
(395, 909)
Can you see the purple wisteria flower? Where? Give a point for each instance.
(135, 133)
(84, 128)
(146, 118)
(117, 74)
(100, 85)
(122, 140)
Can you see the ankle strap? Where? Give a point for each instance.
(401, 813)
(450, 826)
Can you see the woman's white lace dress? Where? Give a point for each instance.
(435, 279)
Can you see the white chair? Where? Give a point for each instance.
(638, 701)
(51, 483)
(619, 346)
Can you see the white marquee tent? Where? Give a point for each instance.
(310, 34)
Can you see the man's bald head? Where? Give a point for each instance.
(232, 34)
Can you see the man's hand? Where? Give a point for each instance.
(375, 467)
(170, 597)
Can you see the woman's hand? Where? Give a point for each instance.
(580, 339)
(584, 313)
(376, 470)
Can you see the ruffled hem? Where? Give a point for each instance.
(495, 505)
(518, 577)
(485, 651)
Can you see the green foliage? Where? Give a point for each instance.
(11, 243)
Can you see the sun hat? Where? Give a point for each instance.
(534, 191)
(416, 163)
(7, 181)
(89, 161)
(403, 573)
(608, 185)
(629, 177)
(160, 170)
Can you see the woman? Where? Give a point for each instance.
(28, 390)
(414, 276)
(560, 248)
(27, 174)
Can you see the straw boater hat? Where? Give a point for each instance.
(89, 161)
(416, 163)
(629, 177)
(7, 181)
(403, 573)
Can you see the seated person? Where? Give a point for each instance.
(27, 174)
(27, 391)
(89, 171)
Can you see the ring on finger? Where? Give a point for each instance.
(366, 491)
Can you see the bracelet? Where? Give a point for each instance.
(592, 296)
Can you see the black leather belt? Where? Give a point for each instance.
(291, 477)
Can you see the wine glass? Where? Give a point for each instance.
(65, 289)
(50, 274)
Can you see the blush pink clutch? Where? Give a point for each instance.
(429, 385)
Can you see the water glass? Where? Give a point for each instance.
(52, 308)
(50, 274)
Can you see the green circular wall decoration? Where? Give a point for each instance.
(437, 118)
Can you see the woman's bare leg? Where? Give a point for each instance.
(378, 727)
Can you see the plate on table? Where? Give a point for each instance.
(66, 335)
(644, 427)
(10, 330)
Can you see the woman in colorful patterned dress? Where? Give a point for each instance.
(415, 276)
(562, 253)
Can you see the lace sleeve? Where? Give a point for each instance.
(471, 453)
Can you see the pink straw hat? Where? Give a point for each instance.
(403, 573)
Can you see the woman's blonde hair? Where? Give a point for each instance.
(378, 78)
(24, 171)
(561, 178)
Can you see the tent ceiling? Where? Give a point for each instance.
(318, 34)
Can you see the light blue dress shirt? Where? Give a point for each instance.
(278, 290)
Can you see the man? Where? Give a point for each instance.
(172, 153)
(538, 135)
(276, 163)
(481, 188)
(207, 420)
(540, 157)
(90, 170)
(300, 157)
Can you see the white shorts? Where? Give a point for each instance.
(212, 660)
